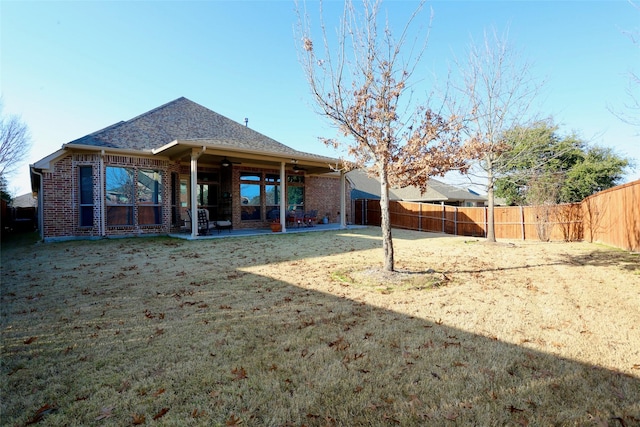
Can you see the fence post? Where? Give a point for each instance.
(455, 221)
(486, 221)
(419, 216)
(522, 221)
(444, 213)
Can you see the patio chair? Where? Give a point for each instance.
(299, 218)
(311, 218)
(204, 225)
(291, 217)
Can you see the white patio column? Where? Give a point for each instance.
(343, 199)
(283, 206)
(195, 154)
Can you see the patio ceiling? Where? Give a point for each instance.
(214, 152)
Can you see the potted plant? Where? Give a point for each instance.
(276, 227)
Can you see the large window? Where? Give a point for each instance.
(86, 196)
(120, 186)
(272, 193)
(127, 189)
(250, 186)
(149, 197)
(295, 192)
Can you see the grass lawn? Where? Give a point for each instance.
(304, 329)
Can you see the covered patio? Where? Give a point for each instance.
(230, 158)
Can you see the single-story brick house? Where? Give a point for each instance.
(141, 176)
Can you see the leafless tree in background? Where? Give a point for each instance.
(15, 143)
(494, 94)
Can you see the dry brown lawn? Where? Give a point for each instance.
(304, 329)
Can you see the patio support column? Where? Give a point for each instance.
(343, 199)
(283, 187)
(195, 154)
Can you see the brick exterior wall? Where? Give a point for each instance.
(61, 195)
(323, 194)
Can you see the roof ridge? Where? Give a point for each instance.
(158, 109)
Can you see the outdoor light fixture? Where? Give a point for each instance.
(225, 163)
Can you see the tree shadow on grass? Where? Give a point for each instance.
(116, 334)
(625, 260)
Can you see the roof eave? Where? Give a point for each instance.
(179, 148)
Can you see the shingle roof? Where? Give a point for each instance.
(180, 119)
(437, 191)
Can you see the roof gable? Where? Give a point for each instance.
(181, 119)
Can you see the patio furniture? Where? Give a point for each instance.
(291, 217)
(222, 225)
(311, 218)
(299, 218)
(204, 225)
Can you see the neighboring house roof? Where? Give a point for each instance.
(24, 201)
(366, 187)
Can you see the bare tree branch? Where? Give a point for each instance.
(15, 143)
(363, 86)
(495, 94)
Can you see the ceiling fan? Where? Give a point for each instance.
(225, 163)
(297, 168)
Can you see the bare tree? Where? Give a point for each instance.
(362, 86)
(494, 95)
(15, 143)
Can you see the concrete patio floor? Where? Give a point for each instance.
(260, 231)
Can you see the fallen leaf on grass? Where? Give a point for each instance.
(30, 340)
(126, 385)
(160, 414)
(138, 419)
(41, 413)
(197, 414)
(451, 416)
(159, 392)
(240, 373)
(105, 413)
(233, 421)
(390, 419)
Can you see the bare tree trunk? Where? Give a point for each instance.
(491, 223)
(385, 221)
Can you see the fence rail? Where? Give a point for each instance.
(611, 217)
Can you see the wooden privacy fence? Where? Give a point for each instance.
(560, 222)
(611, 217)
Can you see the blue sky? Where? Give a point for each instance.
(69, 68)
